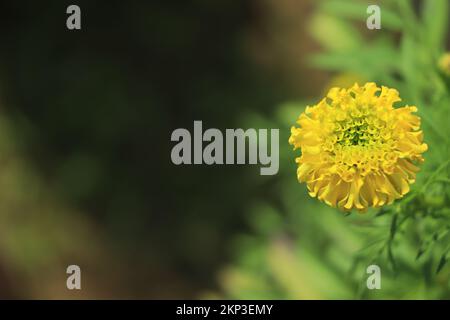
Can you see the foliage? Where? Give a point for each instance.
(300, 248)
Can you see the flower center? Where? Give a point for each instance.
(358, 132)
(361, 142)
(354, 136)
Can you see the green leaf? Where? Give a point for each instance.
(420, 253)
(435, 20)
(382, 212)
(371, 61)
(442, 263)
(393, 226)
(334, 34)
(358, 11)
(391, 258)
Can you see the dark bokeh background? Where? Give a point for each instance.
(90, 113)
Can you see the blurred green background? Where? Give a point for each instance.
(85, 171)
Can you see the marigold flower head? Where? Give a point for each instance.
(444, 63)
(357, 150)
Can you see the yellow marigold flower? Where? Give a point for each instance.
(444, 63)
(357, 150)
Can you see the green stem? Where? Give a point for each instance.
(435, 173)
(410, 20)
